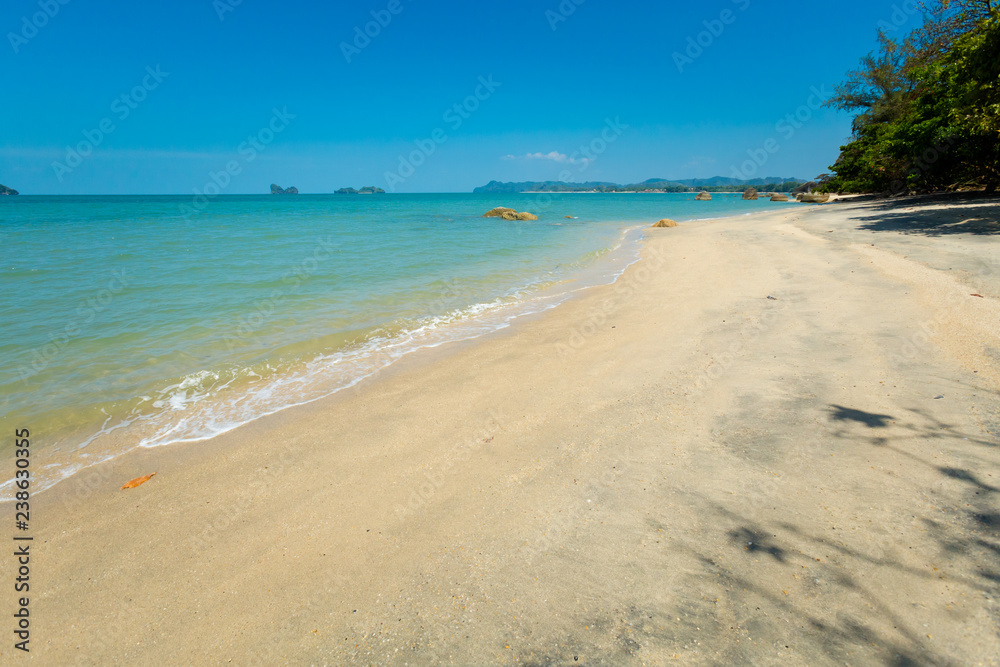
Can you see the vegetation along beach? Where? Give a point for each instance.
(580, 347)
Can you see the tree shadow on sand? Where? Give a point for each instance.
(966, 214)
(753, 579)
(744, 552)
(919, 425)
(869, 419)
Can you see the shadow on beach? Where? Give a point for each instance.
(976, 213)
(750, 583)
(845, 572)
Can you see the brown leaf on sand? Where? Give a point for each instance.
(137, 481)
(979, 295)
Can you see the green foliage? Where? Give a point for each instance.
(929, 108)
(367, 190)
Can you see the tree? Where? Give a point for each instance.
(928, 106)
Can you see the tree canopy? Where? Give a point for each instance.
(928, 106)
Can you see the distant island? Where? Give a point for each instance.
(367, 190)
(716, 184)
(278, 190)
(4, 190)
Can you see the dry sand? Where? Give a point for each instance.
(675, 467)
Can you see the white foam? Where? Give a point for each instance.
(200, 406)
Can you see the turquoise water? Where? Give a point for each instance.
(127, 323)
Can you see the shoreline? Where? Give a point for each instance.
(674, 445)
(590, 276)
(119, 435)
(476, 321)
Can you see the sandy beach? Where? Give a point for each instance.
(773, 441)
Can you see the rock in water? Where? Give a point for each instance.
(4, 190)
(277, 190)
(666, 222)
(514, 215)
(750, 194)
(498, 212)
(779, 197)
(703, 196)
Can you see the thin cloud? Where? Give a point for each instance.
(554, 156)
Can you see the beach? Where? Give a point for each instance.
(773, 440)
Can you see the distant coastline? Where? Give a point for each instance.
(650, 186)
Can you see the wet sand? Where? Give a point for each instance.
(773, 441)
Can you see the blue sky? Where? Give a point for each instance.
(203, 80)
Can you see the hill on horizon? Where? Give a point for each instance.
(776, 183)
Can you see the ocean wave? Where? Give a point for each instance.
(210, 402)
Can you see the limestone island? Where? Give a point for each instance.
(367, 190)
(278, 190)
(4, 190)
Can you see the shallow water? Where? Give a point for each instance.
(131, 321)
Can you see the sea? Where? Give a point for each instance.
(146, 321)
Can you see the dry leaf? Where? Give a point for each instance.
(137, 481)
